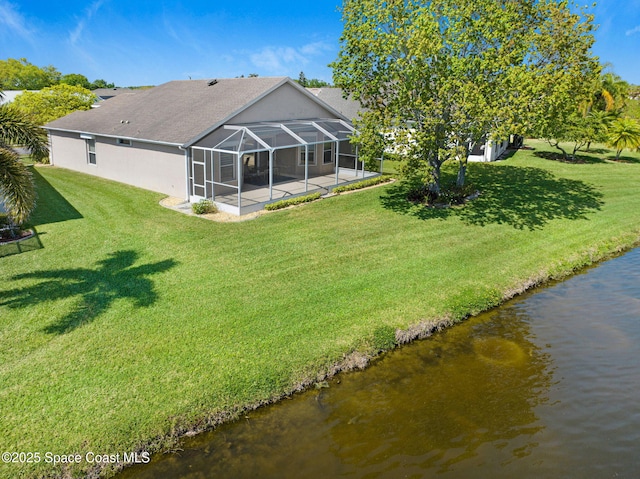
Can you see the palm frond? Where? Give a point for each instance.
(17, 189)
(609, 101)
(17, 129)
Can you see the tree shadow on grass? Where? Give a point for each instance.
(51, 206)
(113, 278)
(522, 197)
(624, 159)
(579, 159)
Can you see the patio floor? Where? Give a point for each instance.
(255, 197)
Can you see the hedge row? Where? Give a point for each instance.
(292, 201)
(363, 184)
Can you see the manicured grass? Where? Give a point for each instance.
(134, 322)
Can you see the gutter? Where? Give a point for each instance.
(103, 135)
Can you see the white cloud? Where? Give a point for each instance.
(12, 21)
(633, 31)
(279, 60)
(76, 33)
(316, 48)
(182, 35)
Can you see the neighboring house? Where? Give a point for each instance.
(9, 95)
(489, 151)
(242, 142)
(106, 93)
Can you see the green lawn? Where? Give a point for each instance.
(133, 322)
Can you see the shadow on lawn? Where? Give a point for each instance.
(51, 207)
(579, 159)
(113, 278)
(522, 197)
(624, 159)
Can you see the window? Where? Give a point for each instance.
(327, 153)
(227, 167)
(312, 155)
(122, 141)
(91, 151)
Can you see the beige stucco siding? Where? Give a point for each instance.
(154, 167)
(284, 103)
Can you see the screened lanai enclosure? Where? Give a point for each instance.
(243, 167)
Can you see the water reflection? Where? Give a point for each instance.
(428, 406)
(434, 404)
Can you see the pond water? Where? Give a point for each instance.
(547, 385)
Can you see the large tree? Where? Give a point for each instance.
(76, 79)
(22, 75)
(17, 190)
(100, 83)
(54, 102)
(442, 76)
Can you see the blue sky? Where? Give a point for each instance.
(143, 42)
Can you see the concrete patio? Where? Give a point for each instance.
(254, 198)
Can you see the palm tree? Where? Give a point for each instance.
(614, 91)
(17, 189)
(624, 133)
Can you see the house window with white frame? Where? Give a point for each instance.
(302, 155)
(123, 141)
(327, 153)
(91, 151)
(227, 167)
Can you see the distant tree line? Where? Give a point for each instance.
(311, 82)
(20, 74)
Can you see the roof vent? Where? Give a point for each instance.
(212, 82)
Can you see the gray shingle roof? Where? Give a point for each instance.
(106, 93)
(334, 97)
(175, 112)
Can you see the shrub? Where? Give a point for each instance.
(292, 201)
(362, 184)
(203, 207)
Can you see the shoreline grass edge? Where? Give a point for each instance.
(359, 360)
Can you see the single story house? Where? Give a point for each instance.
(106, 93)
(489, 151)
(241, 142)
(9, 95)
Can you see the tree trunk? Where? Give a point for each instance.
(462, 174)
(434, 184)
(564, 153)
(464, 159)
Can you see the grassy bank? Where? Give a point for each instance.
(134, 322)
